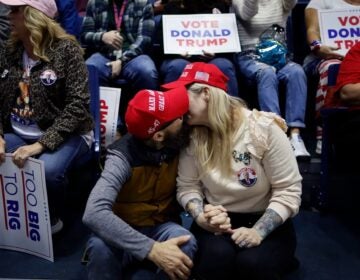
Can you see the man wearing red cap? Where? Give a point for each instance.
(132, 209)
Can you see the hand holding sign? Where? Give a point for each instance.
(24, 218)
(2, 149)
(328, 52)
(339, 30)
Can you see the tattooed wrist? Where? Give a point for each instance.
(267, 223)
(195, 207)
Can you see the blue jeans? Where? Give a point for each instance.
(310, 65)
(107, 262)
(267, 80)
(57, 163)
(171, 70)
(140, 72)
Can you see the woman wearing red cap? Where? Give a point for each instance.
(238, 179)
(44, 97)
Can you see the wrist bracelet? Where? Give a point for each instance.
(315, 44)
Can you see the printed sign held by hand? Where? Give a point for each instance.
(340, 28)
(191, 34)
(24, 215)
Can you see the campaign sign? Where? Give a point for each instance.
(24, 215)
(109, 114)
(191, 34)
(340, 28)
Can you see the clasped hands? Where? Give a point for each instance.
(215, 219)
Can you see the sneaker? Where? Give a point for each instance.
(56, 225)
(299, 147)
(318, 147)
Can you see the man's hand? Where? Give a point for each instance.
(246, 237)
(2, 150)
(115, 68)
(23, 153)
(113, 39)
(168, 256)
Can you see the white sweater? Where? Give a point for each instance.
(255, 16)
(329, 4)
(274, 179)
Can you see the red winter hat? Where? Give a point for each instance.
(150, 110)
(200, 72)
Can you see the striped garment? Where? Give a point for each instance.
(255, 16)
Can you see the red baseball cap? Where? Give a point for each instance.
(150, 110)
(200, 72)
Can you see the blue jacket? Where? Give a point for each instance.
(69, 17)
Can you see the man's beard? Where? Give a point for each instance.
(178, 140)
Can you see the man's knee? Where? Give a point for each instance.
(190, 247)
(97, 251)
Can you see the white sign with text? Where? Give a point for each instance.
(24, 215)
(109, 114)
(191, 34)
(340, 28)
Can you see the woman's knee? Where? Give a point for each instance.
(295, 71)
(173, 68)
(266, 73)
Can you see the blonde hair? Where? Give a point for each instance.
(44, 32)
(212, 145)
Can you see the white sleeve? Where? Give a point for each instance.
(188, 181)
(289, 5)
(245, 9)
(316, 4)
(283, 173)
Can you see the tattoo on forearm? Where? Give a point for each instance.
(195, 207)
(267, 223)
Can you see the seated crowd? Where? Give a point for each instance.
(192, 142)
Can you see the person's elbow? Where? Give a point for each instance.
(88, 216)
(350, 93)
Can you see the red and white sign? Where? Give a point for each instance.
(340, 28)
(24, 215)
(109, 114)
(191, 34)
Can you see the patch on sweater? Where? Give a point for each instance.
(247, 177)
(242, 157)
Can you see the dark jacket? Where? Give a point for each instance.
(60, 109)
(4, 23)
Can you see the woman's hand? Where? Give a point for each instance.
(2, 150)
(327, 52)
(23, 153)
(214, 219)
(246, 237)
(207, 56)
